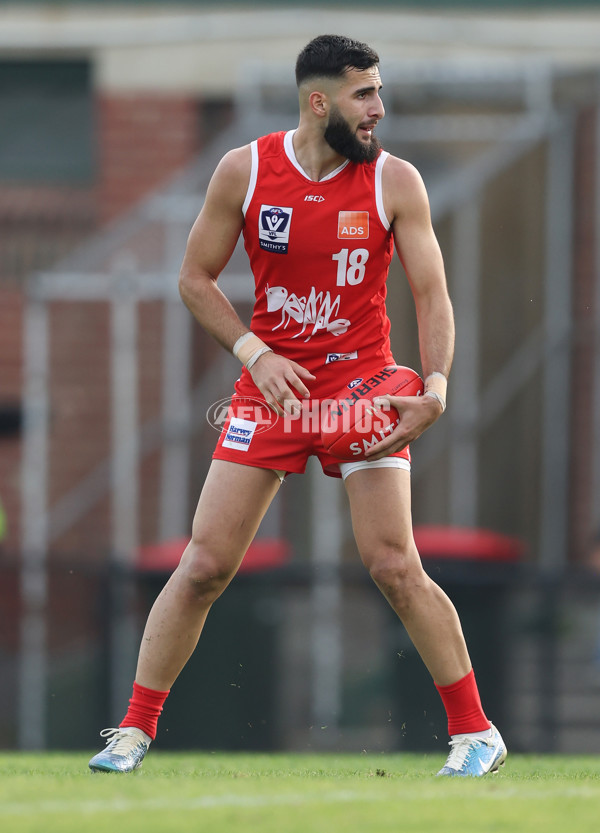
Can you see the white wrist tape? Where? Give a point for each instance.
(247, 348)
(436, 386)
(433, 395)
(256, 355)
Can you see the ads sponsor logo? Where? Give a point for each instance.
(353, 225)
(354, 383)
(274, 228)
(242, 417)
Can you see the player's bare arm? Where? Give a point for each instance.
(210, 245)
(407, 207)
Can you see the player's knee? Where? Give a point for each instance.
(389, 571)
(396, 571)
(207, 570)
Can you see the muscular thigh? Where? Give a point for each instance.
(381, 513)
(231, 506)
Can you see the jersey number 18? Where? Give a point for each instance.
(350, 266)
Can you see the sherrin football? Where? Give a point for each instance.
(351, 423)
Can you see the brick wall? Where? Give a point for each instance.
(11, 320)
(80, 416)
(142, 141)
(40, 224)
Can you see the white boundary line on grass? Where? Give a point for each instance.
(122, 805)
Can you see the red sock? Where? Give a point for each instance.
(463, 706)
(145, 707)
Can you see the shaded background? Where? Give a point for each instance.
(112, 118)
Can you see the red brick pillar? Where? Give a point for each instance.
(11, 382)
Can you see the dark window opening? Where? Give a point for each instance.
(46, 118)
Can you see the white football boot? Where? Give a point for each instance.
(475, 756)
(125, 750)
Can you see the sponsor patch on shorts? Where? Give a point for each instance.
(239, 434)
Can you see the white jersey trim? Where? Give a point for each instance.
(379, 188)
(253, 176)
(288, 145)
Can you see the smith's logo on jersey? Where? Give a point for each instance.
(274, 228)
(353, 225)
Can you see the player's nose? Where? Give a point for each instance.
(377, 110)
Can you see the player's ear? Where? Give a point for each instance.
(319, 103)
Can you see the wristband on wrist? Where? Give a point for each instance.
(436, 386)
(433, 395)
(256, 355)
(249, 348)
(246, 346)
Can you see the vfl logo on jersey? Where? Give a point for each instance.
(353, 225)
(341, 357)
(274, 228)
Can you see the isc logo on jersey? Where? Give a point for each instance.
(274, 228)
(353, 225)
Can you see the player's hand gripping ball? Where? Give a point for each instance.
(351, 423)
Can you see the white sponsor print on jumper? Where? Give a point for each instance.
(314, 313)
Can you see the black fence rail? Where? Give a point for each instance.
(534, 642)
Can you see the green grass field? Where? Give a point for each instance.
(280, 793)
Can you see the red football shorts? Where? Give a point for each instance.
(254, 435)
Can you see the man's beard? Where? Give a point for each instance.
(340, 137)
